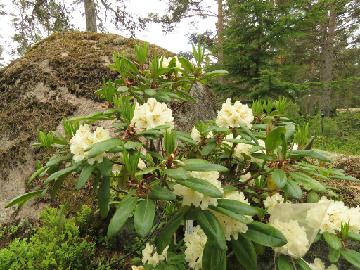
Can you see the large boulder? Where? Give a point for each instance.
(56, 79)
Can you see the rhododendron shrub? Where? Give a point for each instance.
(225, 180)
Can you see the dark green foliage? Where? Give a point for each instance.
(54, 245)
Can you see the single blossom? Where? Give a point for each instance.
(150, 255)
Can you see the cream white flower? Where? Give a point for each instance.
(234, 115)
(245, 177)
(196, 136)
(165, 61)
(152, 114)
(271, 201)
(242, 148)
(137, 267)
(141, 164)
(295, 234)
(192, 197)
(232, 227)
(318, 264)
(195, 244)
(337, 214)
(84, 139)
(116, 169)
(150, 255)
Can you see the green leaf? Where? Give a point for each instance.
(105, 167)
(104, 196)
(23, 198)
(334, 255)
(354, 236)
(292, 189)
(289, 130)
(166, 234)
(351, 256)
(144, 217)
(84, 176)
(214, 258)
(332, 240)
(202, 165)
(236, 216)
(238, 207)
(201, 186)
(186, 64)
(208, 148)
(103, 146)
(302, 265)
(61, 173)
(124, 210)
(279, 177)
(146, 171)
(283, 263)
(274, 139)
(245, 252)
(178, 173)
(265, 235)
(309, 153)
(216, 73)
(161, 193)
(307, 181)
(211, 227)
(185, 137)
(55, 160)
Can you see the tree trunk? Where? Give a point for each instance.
(220, 32)
(90, 15)
(327, 61)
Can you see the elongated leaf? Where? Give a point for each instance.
(354, 236)
(214, 258)
(309, 153)
(178, 173)
(236, 216)
(166, 234)
(104, 196)
(185, 137)
(144, 217)
(239, 207)
(146, 171)
(161, 193)
(84, 176)
(201, 186)
(216, 73)
(333, 255)
(55, 160)
(283, 263)
(61, 173)
(245, 252)
(265, 235)
(23, 198)
(307, 181)
(211, 227)
(202, 165)
(279, 177)
(293, 189)
(274, 139)
(289, 130)
(302, 265)
(332, 240)
(104, 146)
(124, 210)
(208, 148)
(351, 256)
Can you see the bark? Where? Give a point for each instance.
(90, 15)
(220, 31)
(327, 61)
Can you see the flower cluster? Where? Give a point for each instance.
(150, 255)
(318, 264)
(152, 114)
(234, 115)
(195, 243)
(271, 201)
(192, 197)
(338, 214)
(295, 234)
(84, 139)
(231, 226)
